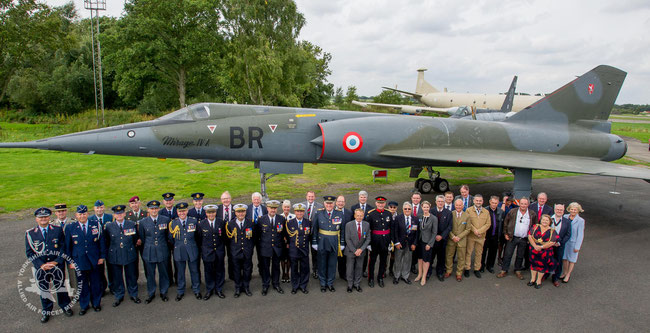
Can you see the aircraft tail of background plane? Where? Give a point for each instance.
(510, 96)
(589, 98)
(423, 87)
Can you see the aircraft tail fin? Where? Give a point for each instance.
(510, 96)
(423, 87)
(589, 97)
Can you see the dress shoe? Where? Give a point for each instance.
(349, 290)
(359, 289)
(332, 288)
(305, 291)
(117, 302)
(502, 274)
(314, 275)
(447, 275)
(236, 293)
(466, 273)
(149, 299)
(380, 282)
(179, 297)
(538, 286)
(248, 292)
(220, 294)
(83, 311)
(323, 289)
(414, 270)
(279, 289)
(198, 296)
(519, 275)
(45, 318)
(395, 281)
(68, 312)
(164, 297)
(97, 308)
(530, 284)
(294, 291)
(136, 300)
(459, 278)
(478, 274)
(482, 270)
(490, 269)
(371, 283)
(365, 274)
(428, 275)
(556, 283)
(407, 281)
(265, 291)
(441, 278)
(207, 296)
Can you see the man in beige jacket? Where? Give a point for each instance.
(479, 223)
(457, 241)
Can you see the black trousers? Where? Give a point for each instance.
(270, 271)
(343, 267)
(521, 244)
(231, 266)
(440, 255)
(314, 261)
(490, 248)
(243, 269)
(44, 281)
(299, 272)
(214, 272)
(382, 252)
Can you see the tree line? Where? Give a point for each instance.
(160, 55)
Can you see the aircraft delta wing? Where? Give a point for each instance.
(565, 131)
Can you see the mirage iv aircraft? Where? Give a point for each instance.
(565, 131)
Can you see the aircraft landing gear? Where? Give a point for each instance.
(263, 179)
(433, 183)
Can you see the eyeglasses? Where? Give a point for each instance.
(407, 208)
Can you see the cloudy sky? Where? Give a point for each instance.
(475, 46)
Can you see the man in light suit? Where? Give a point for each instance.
(467, 198)
(404, 230)
(311, 207)
(562, 226)
(357, 239)
(225, 212)
(363, 204)
(457, 242)
(479, 221)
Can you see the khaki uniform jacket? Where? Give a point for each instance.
(480, 223)
(460, 227)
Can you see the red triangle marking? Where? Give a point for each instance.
(273, 127)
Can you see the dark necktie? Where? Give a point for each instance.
(227, 216)
(408, 225)
(494, 223)
(183, 223)
(44, 230)
(83, 227)
(309, 210)
(121, 227)
(211, 225)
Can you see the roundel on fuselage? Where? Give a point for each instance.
(352, 142)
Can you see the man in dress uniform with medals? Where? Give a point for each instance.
(380, 221)
(328, 239)
(169, 212)
(242, 241)
(84, 244)
(121, 237)
(298, 232)
(61, 212)
(102, 218)
(44, 245)
(155, 252)
(270, 230)
(182, 233)
(136, 214)
(211, 240)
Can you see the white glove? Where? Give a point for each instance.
(315, 247)
(369, 248)
(342, 247)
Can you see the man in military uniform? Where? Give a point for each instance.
(479, 220)
(61, 212)
(211, 239)
(136, 214)
(329, 240)
(380, 222)
(270, 231)
(121, 237)
(197, 211)
(84, 244)
(155, 252)
(102, 218)
(169, 212)
(44, 246)
(182, 235)
(457, 242)
(242, 241)
(298, 232)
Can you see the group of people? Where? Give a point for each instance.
(103, 251)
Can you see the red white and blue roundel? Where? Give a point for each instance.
(352, 142)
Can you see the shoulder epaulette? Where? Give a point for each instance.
(372, 210)
(321, 208)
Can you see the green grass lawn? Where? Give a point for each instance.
(640, 131)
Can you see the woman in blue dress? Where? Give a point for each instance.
(572, 247)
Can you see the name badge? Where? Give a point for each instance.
(191, 227)
(94, 231)
(162, 226)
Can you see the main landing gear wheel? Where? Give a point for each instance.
(433, 183)
(425, 186)
(441, 185)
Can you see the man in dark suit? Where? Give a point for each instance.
(298, 232)
(211, 240)
(155, 251)
(515, 228)
(197, 211)
(445, 221)
(44, 245)
(416, 198)
(226, 213)
(136, 214)
(270, 231)
(404, 233)
(311, 207)
(562, 227)
(170, 212)
(84, 244)
(366, 207)
(467, 198)
(121, 237)
(240, 231)
(357, 239)
(182, 235)
(102, 218)
(491, 245)
(329, 240)
(348, 215)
